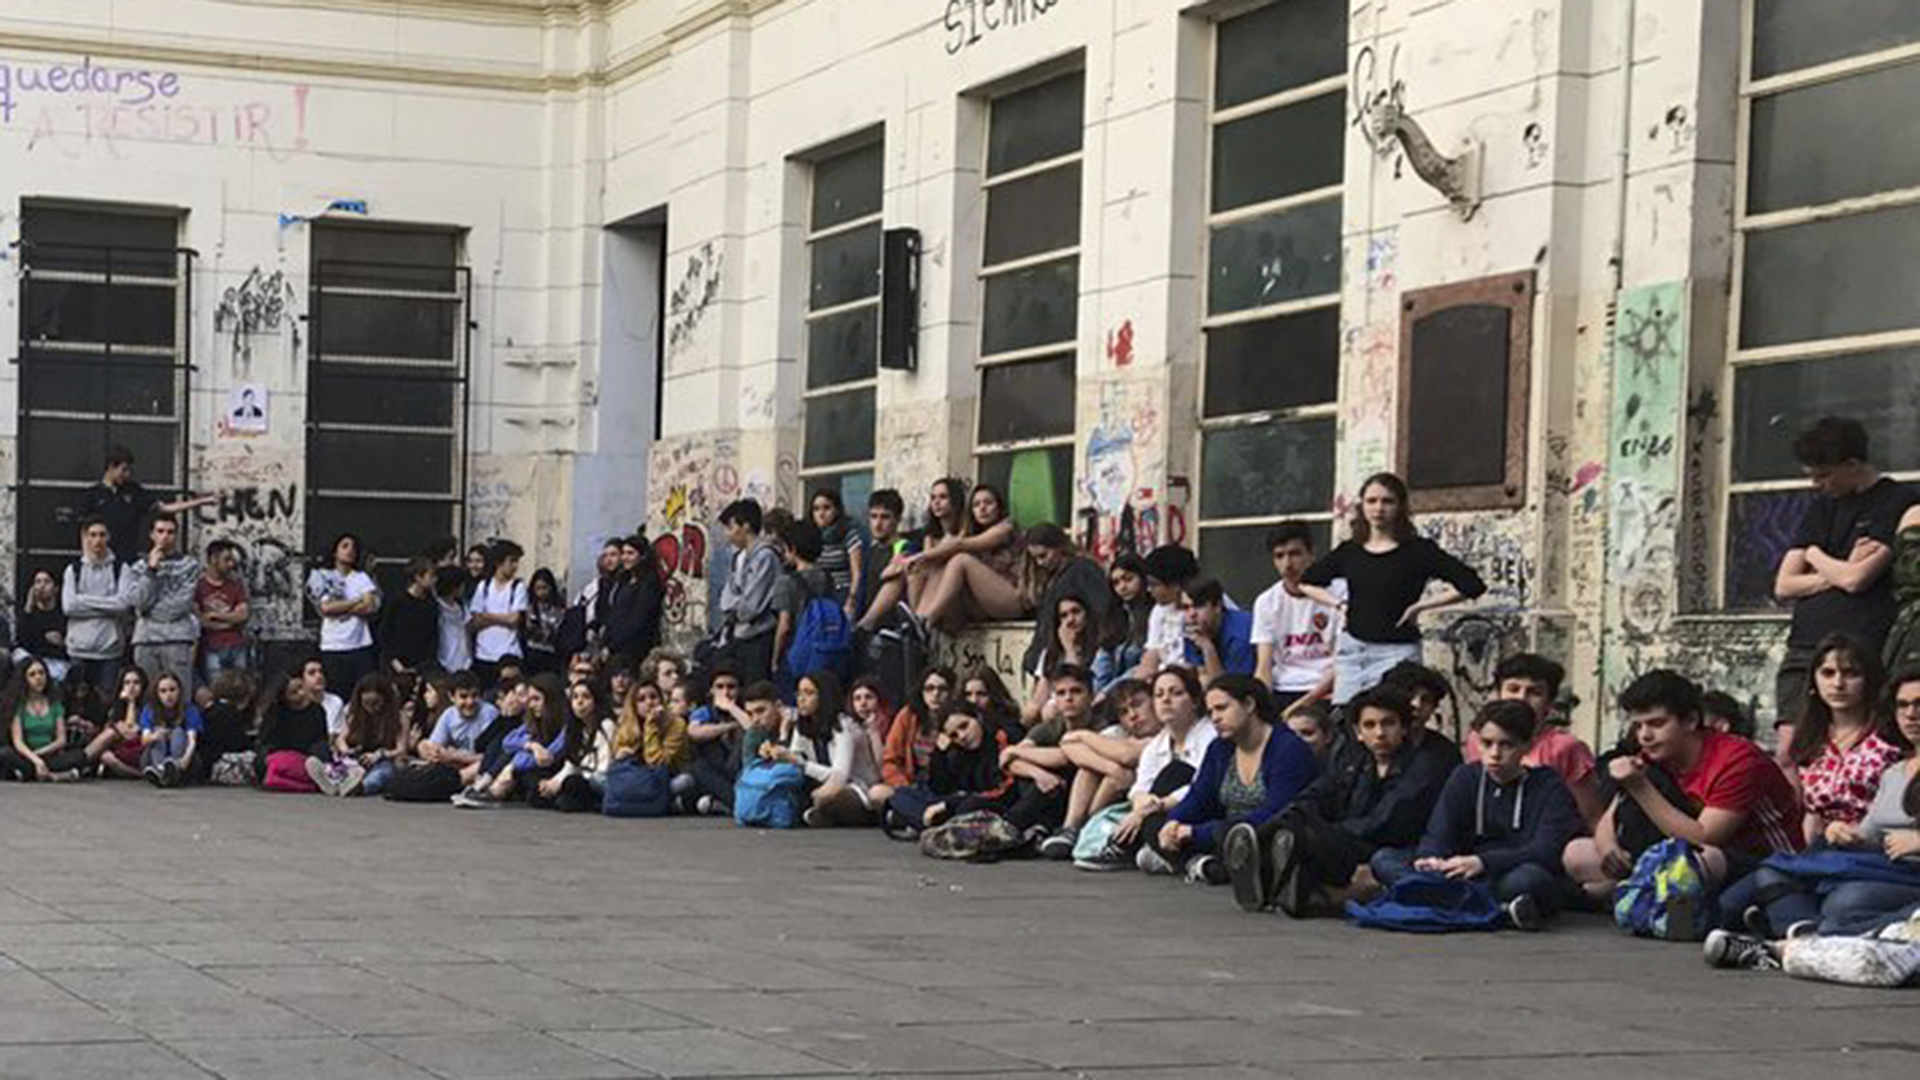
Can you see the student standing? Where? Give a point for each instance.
(842, 553)
(1387, 567)
(1835, 572)
(162, 586)
(37, 747)
(1293, 636)
(744, 630)
(42, 630)
(632, 601)
(546, 607)
(220, 599)
(497, 612)
(124, 505)
(410, 624)
(347, 600)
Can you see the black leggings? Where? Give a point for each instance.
(17, 766)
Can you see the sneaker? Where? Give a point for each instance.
(1059, 846)
(471, 799)
(1207, 870)
(169, 773)
(1726, 949)
(1110, 859)
(1754, 918)
(810, 817)
(1241, 850)
(896, 827)
(1802, 929)
(1152, 862)
(1290, 888)
(481, 800)
(321, 773)
(152, 774)
(352, 775)
(1523, 913)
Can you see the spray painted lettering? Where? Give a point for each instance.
(968, 22)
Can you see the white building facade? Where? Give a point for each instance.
(551, 270)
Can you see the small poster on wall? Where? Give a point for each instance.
(246, 410)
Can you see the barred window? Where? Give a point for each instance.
(843, 322)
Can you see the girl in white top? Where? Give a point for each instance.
(833, 750)
(580, 783)
(1184, 737)
(347, 599)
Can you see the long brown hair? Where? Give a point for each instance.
(1815, 724)
(375, 729)
(548, 721)
(1403, 530)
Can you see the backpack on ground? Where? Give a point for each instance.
(1430, 904)
(637, 791)
(286, 771)
(1666, 895)
(823, 641)
(1094, 849)
(767, 795)
(981, 836)
(424, 783)
(233, 770)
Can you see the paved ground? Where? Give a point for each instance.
(220, 933)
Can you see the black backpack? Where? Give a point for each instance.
(424, 783)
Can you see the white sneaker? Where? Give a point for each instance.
(1152, 862)
(350, 779)
(321, 773)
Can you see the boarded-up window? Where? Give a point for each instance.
(1464, 362)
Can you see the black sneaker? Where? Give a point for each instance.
(1059, 846)
(1290, 893)
(1726, 949)
(1523, 913)
(152, 774)
(1241, 851)
(1754, 918)
(170, 773)
(1207, 870)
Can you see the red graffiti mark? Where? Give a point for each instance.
(683, 554)
(726, 480)
(666, 556)
(1120, 345)
(1176, 525)
(300, 117)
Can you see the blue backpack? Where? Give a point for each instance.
(1430, 904)
(767, 795)
(636, 790)
(1666, 897)
(822, 642)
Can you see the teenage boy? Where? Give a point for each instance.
(885, 511)
(461, 734)
(1169, 568)
(120, 501)
(410, 626)
(496, 612)
(1497, 820)
(801, 581)
(1313, 856)
(1039, 767)
(96, 597)
(761, 702)
(1426, 689)
(313, 672)
(1835, 571)
(744, 630)
(455, 652)
(1724, 712)
(220, 599)
(1718, 792)
(1219, 638)
(1293, 636)
(1104, 762)
(1536, 681)
(162, 585)
(715, 731)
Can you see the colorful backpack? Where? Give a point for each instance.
(981, 836)
(1430, 904)
(1666, 897)
(767, 795)
(1094, 848)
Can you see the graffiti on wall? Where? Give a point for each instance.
(1371, 359)
(693, 296)
(1468, 646)
(997, 649)
(1498, 548)
(1643, 477)
(261, 512)
(76, 106)
(260, 304)
(690, 480)
(1736, 656)
(1124, 459)
(912, 453)
(969, 22)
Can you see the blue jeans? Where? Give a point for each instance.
(1850, 907)
(378, 778)
(1528, 879)
(169, 747)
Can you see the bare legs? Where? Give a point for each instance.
(966, 577)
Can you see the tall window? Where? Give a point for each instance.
(1272, 324)
(1828, 228)
(104, 296)
(843, 323)
(1030, 274)
(387, 388)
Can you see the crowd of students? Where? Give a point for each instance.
(1297, 752)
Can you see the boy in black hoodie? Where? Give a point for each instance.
(1377, 792)
(963, 775)
(1498, 820)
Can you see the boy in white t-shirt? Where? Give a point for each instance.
(1169, 568)
(494, 614)
(1294, 636)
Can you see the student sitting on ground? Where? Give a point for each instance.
(1536, 680)
(1426, 689)
(764, 710)
(911, 740)
(292, 723)
(1498, 820)
(530, 753)
(1041, 769)
(650, 734)
(1254, 769)
(963, 775)
(582, 780)
(1877, 880)
(37, 729)
(1725, 714)
(463, 731)
(868, 706)
(1842, 743)
(987, 692)
(1219, 638)
(1104, 760)
(116, 749)
(714, 731)
(1312, 858)
(832, 749)
(1720, 794)
(1168, 762)
(367, 754)
(1314, 724)
(170, 728)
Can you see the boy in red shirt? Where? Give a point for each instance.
(1718, 792)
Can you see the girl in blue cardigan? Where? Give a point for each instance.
(1252, 771)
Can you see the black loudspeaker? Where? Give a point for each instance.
(900, 300)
